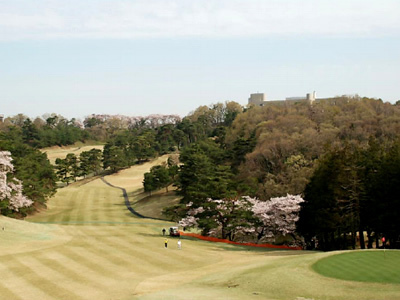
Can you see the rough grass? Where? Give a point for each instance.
(95, 249)
(152, 206)
(368, 266)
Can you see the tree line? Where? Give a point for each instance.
(353, 190)
(127, 141)
(273, 151)
(336, 154)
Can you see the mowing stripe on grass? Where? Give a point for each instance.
(33, 275)
(72, 269)
(365, 266)
(91, 261)
(15, 278)
(146, 252)
(6, 293)
(63, 276)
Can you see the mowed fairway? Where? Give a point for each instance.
(87, 245)
(61, 152)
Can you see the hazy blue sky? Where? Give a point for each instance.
(133, 57)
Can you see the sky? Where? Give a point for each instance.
(142, 57)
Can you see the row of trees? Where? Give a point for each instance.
(246, 218)
(72, 167)
(353, 190)
(138, 139)
(140, 143)
(54, 130)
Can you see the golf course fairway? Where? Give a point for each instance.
(88, 245)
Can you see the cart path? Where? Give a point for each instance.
(127, 202)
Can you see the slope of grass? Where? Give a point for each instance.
(95, 249)
(19, 236)
(152, 206)
(367, 266)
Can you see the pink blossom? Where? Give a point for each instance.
(277, 216)
(11, 190)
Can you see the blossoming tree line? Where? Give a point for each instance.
(11, 190)
(246, 218)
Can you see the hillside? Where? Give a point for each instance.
(291, 138)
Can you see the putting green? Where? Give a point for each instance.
(366, 266)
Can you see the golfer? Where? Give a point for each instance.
(163, 231)
(179, 244)
(166, 243)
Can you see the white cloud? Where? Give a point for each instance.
(42, 19)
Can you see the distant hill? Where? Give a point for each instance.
(291, 138)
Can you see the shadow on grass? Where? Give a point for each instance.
(159, 235)
(271, 251)
(231, 247)
(138, 192)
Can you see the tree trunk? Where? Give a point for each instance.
(369, 239)
(353, 240)
(260, 235)
(376, 241)
(362, 241)
(223, 233)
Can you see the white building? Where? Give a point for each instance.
(260, 99)
(309, 97)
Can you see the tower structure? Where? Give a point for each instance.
(258, 99)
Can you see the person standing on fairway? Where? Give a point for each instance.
(163, 231)
(179, 244)
(166, 243)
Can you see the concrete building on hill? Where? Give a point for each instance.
(260, 99)
(1, 118)
(257, 99)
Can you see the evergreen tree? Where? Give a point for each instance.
(149, 182)
(63, 170)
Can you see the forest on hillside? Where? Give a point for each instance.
(341, 155)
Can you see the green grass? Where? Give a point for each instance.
(366, 266)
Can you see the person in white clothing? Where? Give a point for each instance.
(179, 244)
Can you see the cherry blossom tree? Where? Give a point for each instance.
(191, 220)
(11, 195)
(278, 216)
(226, 217)
(246, 216)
